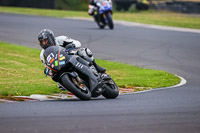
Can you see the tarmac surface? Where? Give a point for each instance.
(174, 110)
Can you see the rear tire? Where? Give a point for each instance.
(101, 26)
(111, 90)
(77, 91)
(97, 19)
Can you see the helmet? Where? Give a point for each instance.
(48, 36)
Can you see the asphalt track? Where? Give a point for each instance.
(174, 110)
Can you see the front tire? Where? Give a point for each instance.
(110, 21)
(68, 82)
(111, 90)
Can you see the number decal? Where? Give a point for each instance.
(50, 57)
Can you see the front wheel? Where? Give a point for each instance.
(110, 21)
(79, 89)
(111, 90)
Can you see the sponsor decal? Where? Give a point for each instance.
(50, 57)
(52, 60)
(56, 63)
(62, 58)
(62, 62)
(61, 55)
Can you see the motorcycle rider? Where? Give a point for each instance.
(46, 39)
(92, 7)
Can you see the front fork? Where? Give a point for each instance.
(104, 16)
(79, 83)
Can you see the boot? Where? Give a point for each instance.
(95, 18)
(62, 88)
(99, 69)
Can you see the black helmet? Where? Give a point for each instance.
(48, 35)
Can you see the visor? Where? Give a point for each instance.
(44, 46)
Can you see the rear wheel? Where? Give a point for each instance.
(77, 86)
(97, 19)
(101, 25)
(111, 90)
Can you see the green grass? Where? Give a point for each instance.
(128, 76)
(44, 12)
(21, 73)
(165, 18)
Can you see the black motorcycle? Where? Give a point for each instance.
(78, 75)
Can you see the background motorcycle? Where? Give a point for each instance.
(103, 16)
(78, 76)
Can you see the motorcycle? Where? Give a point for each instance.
(78, 75)
(103, 16)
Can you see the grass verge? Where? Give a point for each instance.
(21, 73)
(165, 18)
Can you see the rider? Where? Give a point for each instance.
(92, 7)
(46, 38)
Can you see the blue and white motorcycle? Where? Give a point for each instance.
(103, 16)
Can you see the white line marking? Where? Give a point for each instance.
(183, 82)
